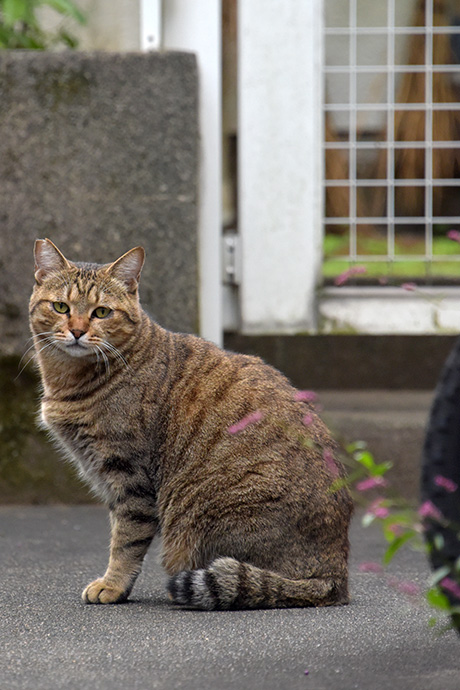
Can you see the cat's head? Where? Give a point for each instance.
(84, 310)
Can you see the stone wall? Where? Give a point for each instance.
(98, 152)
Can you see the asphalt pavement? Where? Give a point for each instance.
(50, 640)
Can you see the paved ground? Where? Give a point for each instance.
(51, 641)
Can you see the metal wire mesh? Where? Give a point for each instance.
(392, 142)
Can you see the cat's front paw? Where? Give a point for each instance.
(101, 592)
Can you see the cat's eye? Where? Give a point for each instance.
(61, 307)
(101, 312)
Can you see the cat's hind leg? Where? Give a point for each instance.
(132, 532)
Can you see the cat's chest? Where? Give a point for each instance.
(88, 441)
(89, 435)
(76, 430)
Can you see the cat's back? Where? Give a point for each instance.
(224, 407)
(232, 384)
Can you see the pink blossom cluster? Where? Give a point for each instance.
(246, 421)
(454, 235)
(378, 509)
(328, 458)
(451, 586)
(305, 396)
(371, 483)
(370, 567)
(396, 529)
(346, 275)
(405, 586)
(429, 510)
(445, 483)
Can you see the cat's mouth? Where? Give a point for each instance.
(77, 349)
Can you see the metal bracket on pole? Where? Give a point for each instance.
(231, 259)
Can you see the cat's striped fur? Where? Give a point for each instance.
(152, 419)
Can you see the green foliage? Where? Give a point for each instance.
(402, 525)
(21, 27)
(410, 263)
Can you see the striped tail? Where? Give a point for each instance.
(228, 584)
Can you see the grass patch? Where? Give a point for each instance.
(336, 248)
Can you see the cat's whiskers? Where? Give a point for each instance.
(31, 347)
(37, 335)
(114, 351)
(51, 343)
(105, 359)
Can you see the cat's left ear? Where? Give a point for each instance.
(128, 267)
(48, 259)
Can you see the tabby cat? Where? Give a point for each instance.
(214, 451)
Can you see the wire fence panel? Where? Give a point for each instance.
(392, 140)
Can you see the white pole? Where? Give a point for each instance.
(150, 17)
(280, 164)
(195, 25)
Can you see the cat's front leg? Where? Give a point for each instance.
(132, 534)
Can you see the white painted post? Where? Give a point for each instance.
(280, 162)
(151, 27)
(195, 25)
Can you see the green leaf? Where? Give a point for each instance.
(366, 459)
(403, 519)
(438, 542)
(381, 469)
(66, 8)
(396, 545)
(17, 11)
(357, 445)
(68, 40)
(438, 599)
(14, 40)
(338, 484)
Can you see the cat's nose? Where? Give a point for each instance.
(77, 333)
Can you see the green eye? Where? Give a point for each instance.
(101, 312)
(61, 307)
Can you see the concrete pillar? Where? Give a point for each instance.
(280, 165)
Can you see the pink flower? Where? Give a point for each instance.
(346, 275)
(370, 567)
(451, 586)
(378, 509)
(406, 587)
(396, 529)
(330, 462)
(308, 419)
(445, 483)
(246, 421)
(371, 483)
(306, 396)
(429, 510)
(409, 287)
(454, 235)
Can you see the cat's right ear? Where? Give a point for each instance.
(48, 259)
